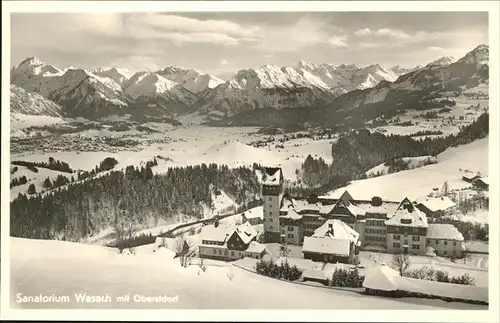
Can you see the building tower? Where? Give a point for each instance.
(272, 192)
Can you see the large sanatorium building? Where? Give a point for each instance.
(391, 226)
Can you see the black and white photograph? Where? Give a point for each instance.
(214, 156)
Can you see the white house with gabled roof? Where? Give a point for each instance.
(334, 241)
(407, 230)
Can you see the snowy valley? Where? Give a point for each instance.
(125, 180)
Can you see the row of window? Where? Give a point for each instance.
(374, 223)
(374, 238)
(311, 218)
(212, 242)
(445, 242)
(398, 237)
(310, 226)
(376, 231)
(413, 246)
(407, 229)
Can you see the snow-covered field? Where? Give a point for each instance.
(413, 162)
(190, 146)
(63, 269)
(419, 182)
(34, 178)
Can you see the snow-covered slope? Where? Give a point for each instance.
(419, 182)
(24, 102)
(154, 91)
(266, 87)
(398, 70)
(29, 68)
(191, 79)
(410, 88)
(413, 162)
(443, 61)
(44, 266)
(345, 78)
(480, 56)
(117, 74)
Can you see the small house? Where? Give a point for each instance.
(481, 183)
(470, 177)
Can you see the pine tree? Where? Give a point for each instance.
(31, 189)
(47, 183)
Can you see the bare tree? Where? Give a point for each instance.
(400, 262)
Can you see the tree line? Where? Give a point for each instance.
(53, 164)
(360, 150)
(134, 195)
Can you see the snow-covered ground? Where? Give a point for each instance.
(413, 162)
(34, 178)
(63, 269)
(419, 182)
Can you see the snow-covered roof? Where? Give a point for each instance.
(272, 176)
(387, 279)
(256, 212)
(220, 233)
(438, 203)
(256, 247)
(403, 217)
(434, 288)
(339, 247)
(340, 231)
(443, 231)
(470, 175)
(385, 208)
(314, 274)
(325, 209)
(246, 232)
(333, 237)
(483, 179)
(291, 214)
(382, 278)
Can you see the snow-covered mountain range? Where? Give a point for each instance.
(412, 90)
(174, 90)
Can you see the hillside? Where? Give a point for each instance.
(419, 182)
(60, 266)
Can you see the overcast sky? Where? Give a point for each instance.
(221, 43)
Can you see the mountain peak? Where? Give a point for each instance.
(479, 55)
(443, 61)
(33, 60)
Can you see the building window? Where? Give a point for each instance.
(396, 245)
(454, 253)
(454, 244)
(290, 236)
(445, 243)
(270, 227)
(215, 251)
(415, 246)
(290, 228)
(445, 253)
(269, 199)
(416, 238)
(437, 242)
(396, 237)
(232, 253)
(429, 242)
(270, 213)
